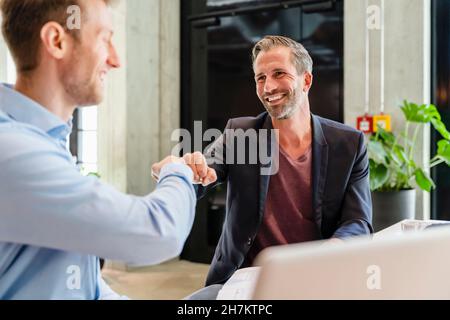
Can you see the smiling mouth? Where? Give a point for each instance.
(275, 98)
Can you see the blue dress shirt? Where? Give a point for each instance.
(54, 222)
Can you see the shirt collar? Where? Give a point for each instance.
(22, 109)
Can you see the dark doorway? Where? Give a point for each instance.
(440, 96)
(218, 80)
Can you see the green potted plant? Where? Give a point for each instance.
(394, 175)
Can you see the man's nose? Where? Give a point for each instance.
(270, 85)
(113, 58)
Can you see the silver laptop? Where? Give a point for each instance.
(409, 266)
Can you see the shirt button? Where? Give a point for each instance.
(249, 241)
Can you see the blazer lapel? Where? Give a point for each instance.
(319, 164)
(264, 180)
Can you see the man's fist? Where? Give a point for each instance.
(203, 174)
(156, 168)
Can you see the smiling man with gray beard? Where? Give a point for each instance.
(321, 189)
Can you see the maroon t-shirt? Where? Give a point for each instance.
(288, 216)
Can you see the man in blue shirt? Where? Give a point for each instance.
(54, 222)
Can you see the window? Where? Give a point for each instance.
(10, 69)
(85, 137)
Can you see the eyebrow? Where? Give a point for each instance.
(274, 70)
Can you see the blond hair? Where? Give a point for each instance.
(22, 24)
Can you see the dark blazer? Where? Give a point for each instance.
(340, 181)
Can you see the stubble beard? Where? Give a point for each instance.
(83, 90)
(285, 111)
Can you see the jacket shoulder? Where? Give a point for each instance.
(334, 125)
(335, 130)
(246, 123)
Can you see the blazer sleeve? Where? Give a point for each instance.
(356, 214)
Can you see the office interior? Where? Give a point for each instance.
(189, 60)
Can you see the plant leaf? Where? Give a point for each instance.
(440, 127)
(431, 112)
(403, 180)
(387, 137)
(399, 156)
(379, 175)
(423, 180)
(377, 152)
(420, 114)
(93, 174)
(444, 151)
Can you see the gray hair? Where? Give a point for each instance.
(300, 56)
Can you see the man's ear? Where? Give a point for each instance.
(54, 39)
(308, 80)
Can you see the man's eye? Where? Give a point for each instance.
(260, 79)
(279, 74)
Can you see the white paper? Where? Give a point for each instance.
(240, 286)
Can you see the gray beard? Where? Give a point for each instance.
(287, 111)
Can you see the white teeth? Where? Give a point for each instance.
(273, 98)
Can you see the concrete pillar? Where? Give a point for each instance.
(143, 93)
(407, 67)
(143, 98)
(112, 113)
(170, 72)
